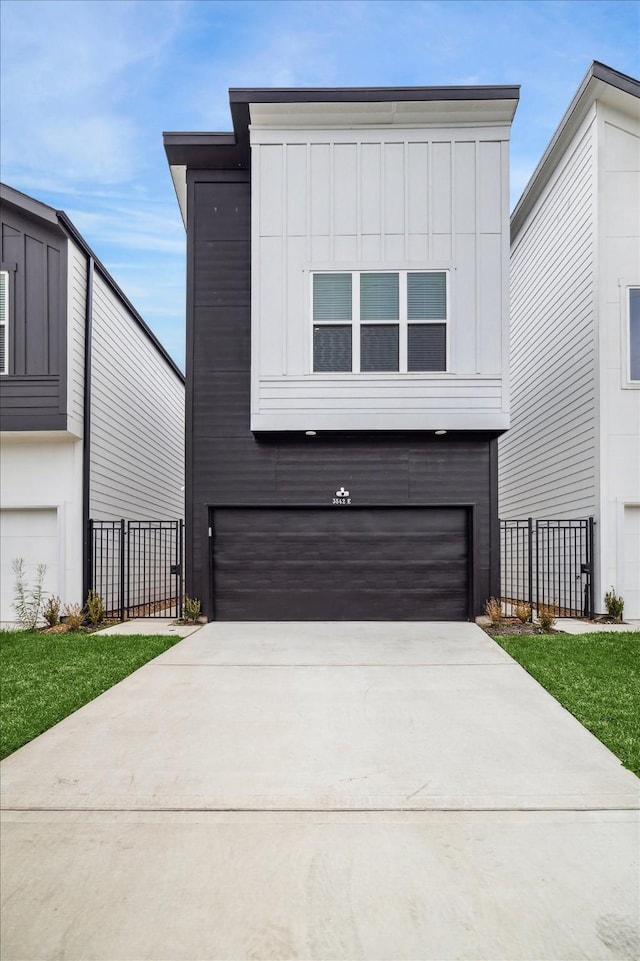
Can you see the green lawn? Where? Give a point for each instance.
(595, 676)
(45, 677)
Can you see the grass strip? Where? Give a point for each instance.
(595, 676)
(45, 677)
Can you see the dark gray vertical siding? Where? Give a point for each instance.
(34, 391)
(228, 466)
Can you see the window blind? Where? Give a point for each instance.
(634, 333)
(427, 347)
(427, 296)
(379, 347)
(332, 348)
(4, 319)
(379, 297)
(332, 296)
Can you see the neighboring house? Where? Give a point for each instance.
(91, 405)
(347, 354)
(574, 445)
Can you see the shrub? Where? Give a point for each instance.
(95, 608)
(191, 610)
(28, 603)
(493, 610)
(615, 604)
(74, 616)
(51, 611)
(522, 611)
(547, 616)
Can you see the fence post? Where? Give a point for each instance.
(530, 564)
(592, 589)
(122, 569)
(90, 586)
(181, 567)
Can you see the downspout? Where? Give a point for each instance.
(87, 575)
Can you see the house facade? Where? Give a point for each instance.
(347, 351)
(574, 445)
(91, 405)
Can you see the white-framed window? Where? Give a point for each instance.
(4, 321)
(380, 321)
(633, 333)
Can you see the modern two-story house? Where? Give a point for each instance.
(574, 445)
(347, 351)
(91, 405)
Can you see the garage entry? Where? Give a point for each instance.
(33, 536)
(340, 564)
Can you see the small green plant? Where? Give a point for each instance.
(73, 616)
(191, 610)
(614, 604)
(51, 612)
(28, 602)
(547, 616)
(493, 610)
(522, 610)
(94, 607)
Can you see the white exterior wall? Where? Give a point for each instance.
(137, 419)
(76, 309)
(548, 464)
(42, 472)
(619, 435)
(417, 198)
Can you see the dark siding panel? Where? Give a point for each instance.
(223, 274)
(223, 214)
(34, 391)
(224, 338)
(225, 397)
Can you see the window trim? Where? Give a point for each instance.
(632, 382)
(4, 320)
(403, 322)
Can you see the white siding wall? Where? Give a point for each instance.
(137, 419)
(548, 458)
(77, 305)
(371, 199)
(42, 508)
(619, 260)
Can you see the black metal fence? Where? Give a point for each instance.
(137, 567)
(548, 562)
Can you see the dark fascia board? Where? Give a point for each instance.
(368, 94)
(59, 220)
(28, 205)
(597, 71)
(231, 150)
(75, 235)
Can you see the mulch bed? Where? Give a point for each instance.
(511, 625)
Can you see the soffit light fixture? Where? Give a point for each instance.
(439, 433)
(310, 433)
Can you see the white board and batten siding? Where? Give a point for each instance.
(547, 460)
(424, 197)
(137, 419)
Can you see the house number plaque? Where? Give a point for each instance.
(342, 498)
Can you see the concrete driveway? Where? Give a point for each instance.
(321, 791)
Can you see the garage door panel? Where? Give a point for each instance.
(340, 564)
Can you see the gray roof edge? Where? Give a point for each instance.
(369, 94)
(596, 71)
(9, 195)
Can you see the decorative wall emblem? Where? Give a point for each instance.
(342, 498)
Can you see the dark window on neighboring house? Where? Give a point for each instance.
(380, 321)
(4, 322)
(634, 333)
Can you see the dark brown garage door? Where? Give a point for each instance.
(340, 564)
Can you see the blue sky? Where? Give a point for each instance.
(88, 86)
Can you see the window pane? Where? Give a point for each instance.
(634, 333)
(378, 347)
(427, 296)
(332, 296)
(427, 347)
(379, 297)
(331, 348)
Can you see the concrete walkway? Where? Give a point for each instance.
(321, 791)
